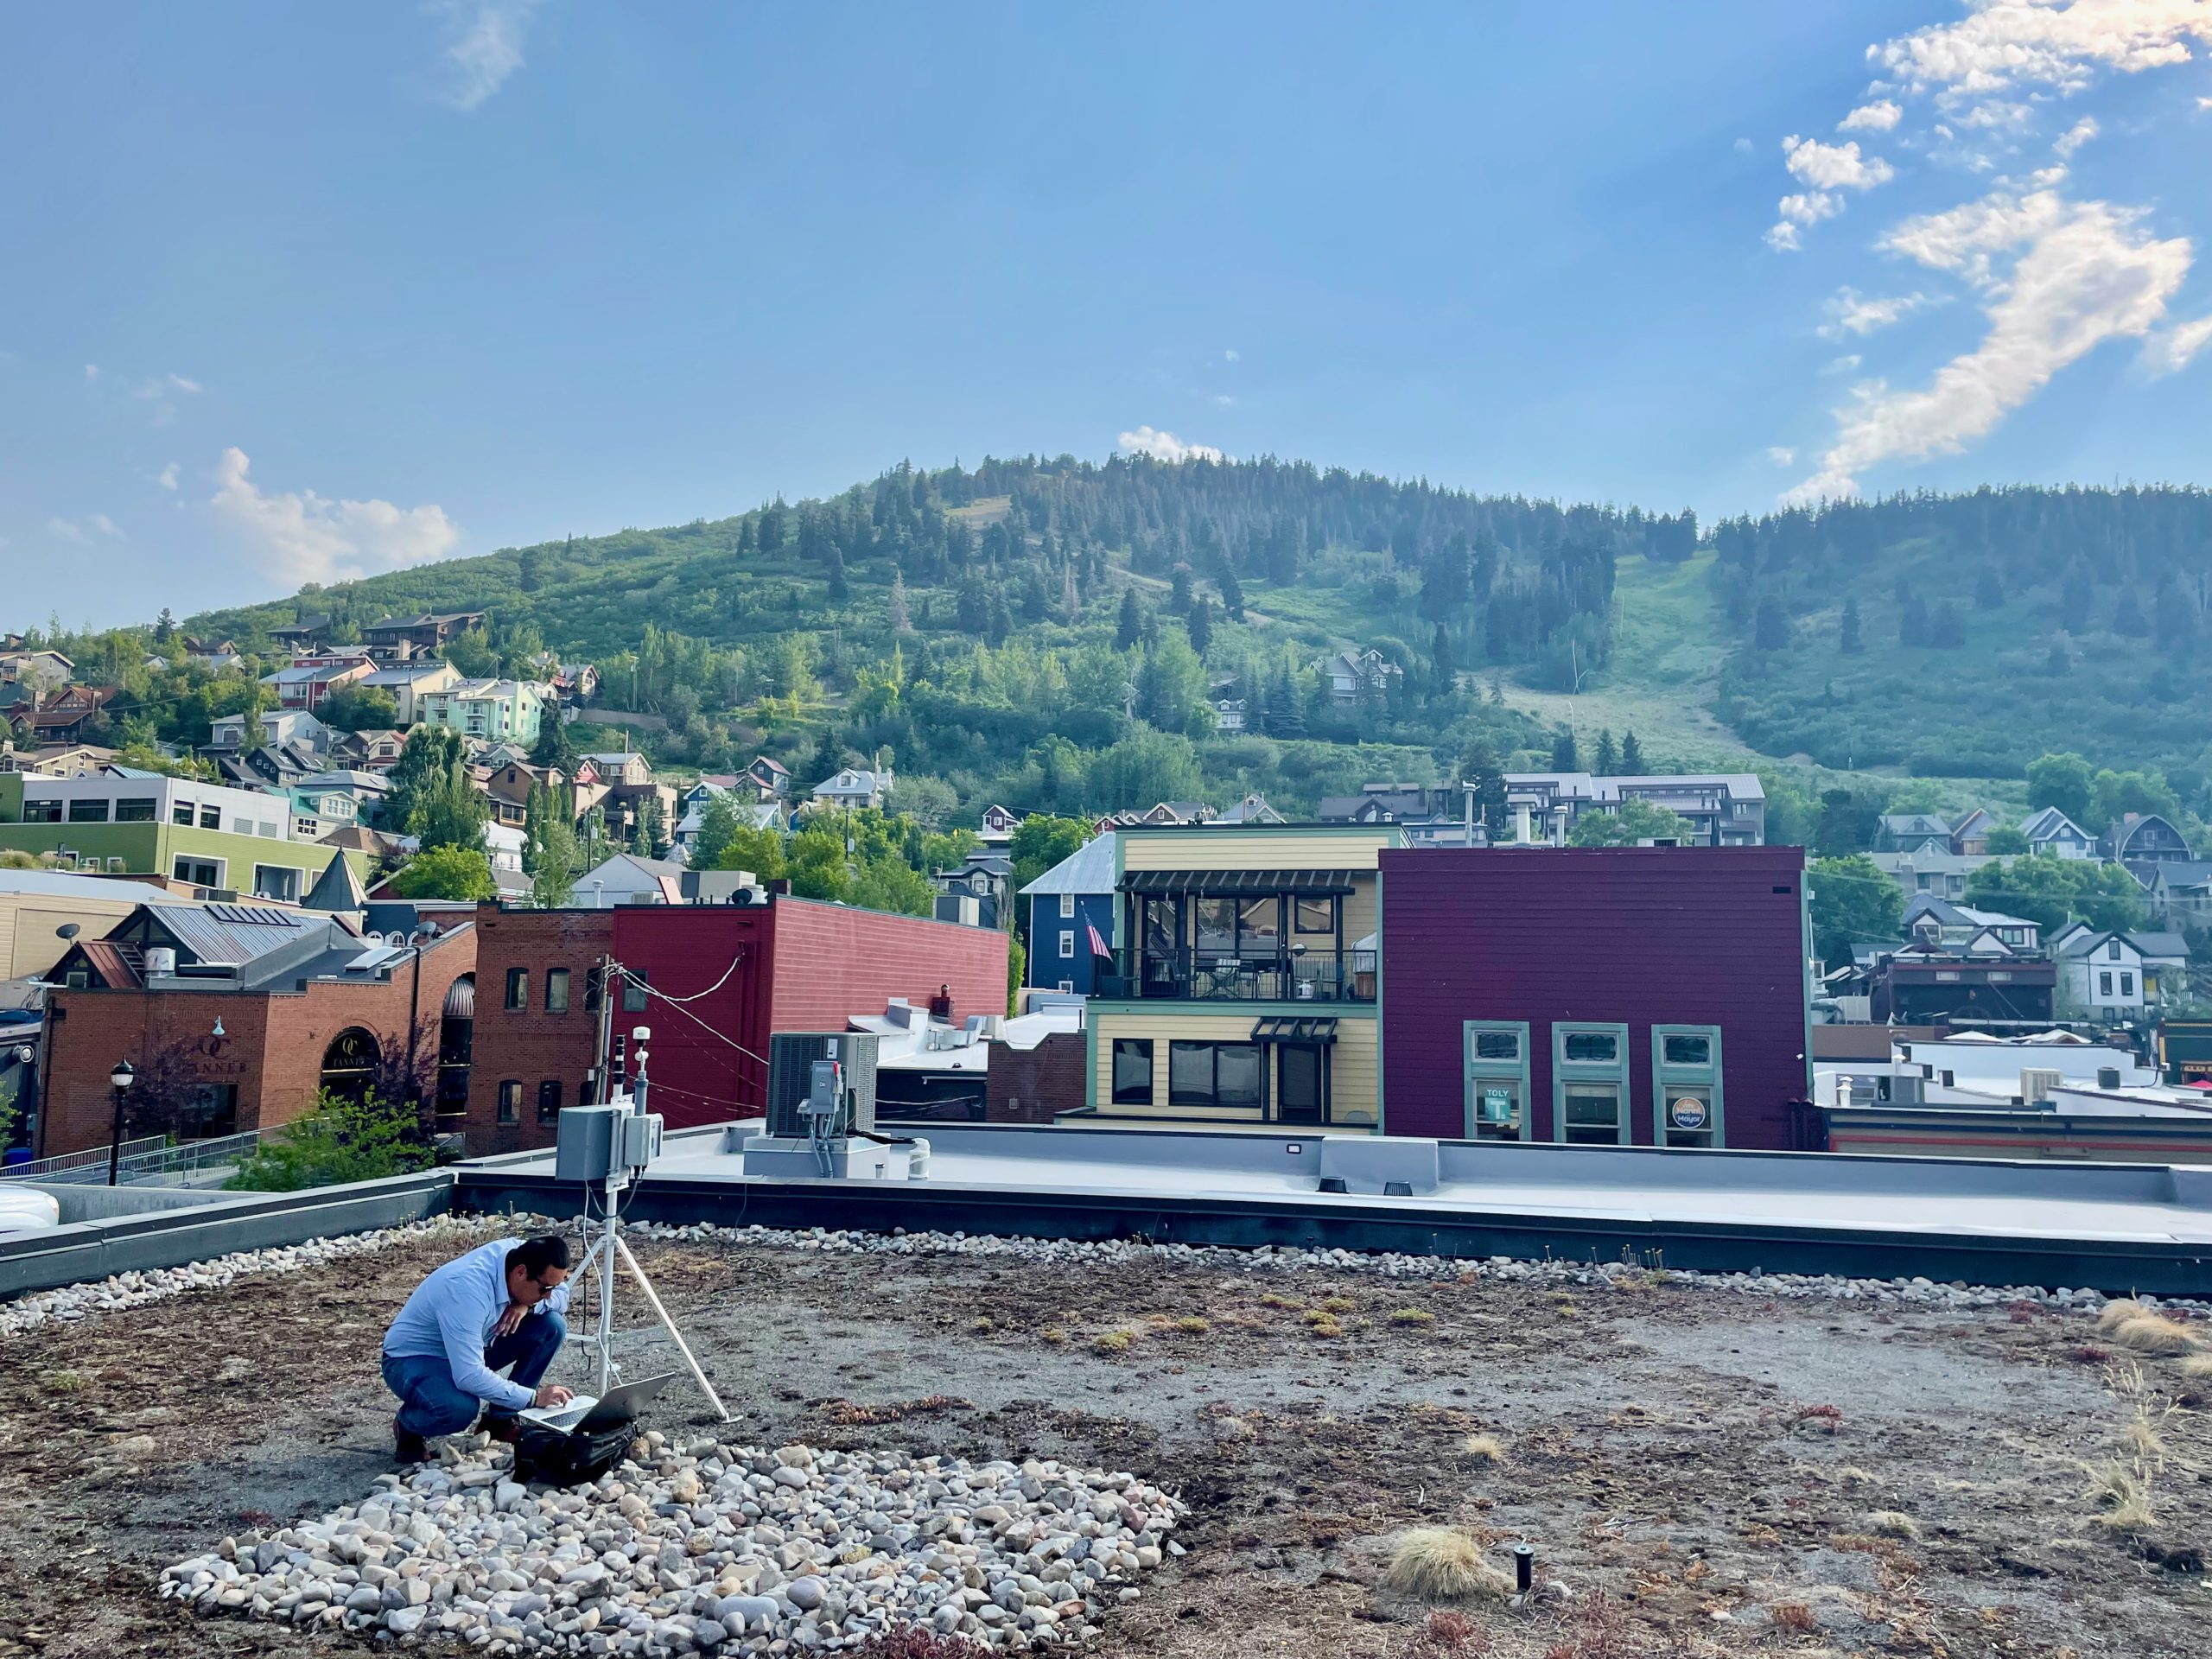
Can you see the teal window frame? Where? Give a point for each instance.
(1615, 1071)
(1474, 1071)
(1665, 1073)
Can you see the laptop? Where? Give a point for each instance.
(587, 1413)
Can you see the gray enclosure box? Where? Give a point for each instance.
(586, 1149)
(792, 1058)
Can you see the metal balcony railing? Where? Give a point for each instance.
(1214, 976)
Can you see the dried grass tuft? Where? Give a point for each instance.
(1893, 1523)
(1191, 1326)
(1271, 1300)
(1792, 1616)
(62, 1381)
(1413, 1316)
(1852, 1475)
(1484, 1448)
(1444, 1564)
(1053, 1334)
(2115, 1313)
(2197, 1365)
(1338, 1305)
(2125, 1491)
(1325, 1328)
(1112, 1342)
(2154, 1333)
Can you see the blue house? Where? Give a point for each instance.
(1071, 913)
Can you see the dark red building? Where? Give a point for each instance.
(727, 974)
(1628, 996)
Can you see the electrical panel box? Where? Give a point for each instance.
(640, 1140)
(586, 1149)
(793, 1058)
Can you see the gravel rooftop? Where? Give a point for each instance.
(1760, 1468)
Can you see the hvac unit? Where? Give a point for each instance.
(2037, 1083)
(160, 961)
(2108, 1076)
(792, 1058)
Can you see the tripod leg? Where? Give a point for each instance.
(638, 1274)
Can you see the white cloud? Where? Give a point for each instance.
(1224, 400)
(2089, 274)
(307, 538)
(1782, 455)
(167, 477)
(1810, 207)
(2077, 136)
(1165, 446)
(1835, 167)
(91, 373)
(166, 385)
(1998, 113)
(2168, 351)
(2001, 44)
(1847, 364)
(89, 528)
(1231, 355)
(1745, 146)
(1783, 238)
(1877, 117)
(1851, 312)
(2204, 103)
(483, 48)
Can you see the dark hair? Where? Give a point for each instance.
(534, 1256)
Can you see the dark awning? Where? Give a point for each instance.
(1240, 881)
(1285, 1029)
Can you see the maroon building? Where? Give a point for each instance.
(737, 973)
(1615, 996)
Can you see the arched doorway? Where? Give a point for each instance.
(349, 1065)
(456, 1028)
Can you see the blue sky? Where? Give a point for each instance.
(295, 292)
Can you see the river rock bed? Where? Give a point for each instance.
(128, 1290)
(704, 1546)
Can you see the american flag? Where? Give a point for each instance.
(1098, 945)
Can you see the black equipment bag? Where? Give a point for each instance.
(570, 1457)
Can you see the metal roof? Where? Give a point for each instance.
(233, 934)
(1241, 881)
(1090, 868)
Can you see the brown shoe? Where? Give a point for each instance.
(503, 1427)
(408, 1447)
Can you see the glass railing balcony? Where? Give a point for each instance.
(1294, 975)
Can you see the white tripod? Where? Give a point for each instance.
(601, 1253)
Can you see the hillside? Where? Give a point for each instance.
(1020, 630)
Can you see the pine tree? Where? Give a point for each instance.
(1989, 592)
(1439, 657)
(1631, 756)
(1771, 631)
(1129, 628)
(1200, 623)
(1232, 597)
(1179, 596)
(1035, 607)
(1608, 759)
(1947, 629)
(1852, 643)
(1563, 752)
(900, 622)
(839, 591)
(2128, 619)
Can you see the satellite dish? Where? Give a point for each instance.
(68, 930)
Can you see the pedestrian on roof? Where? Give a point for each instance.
(498, 1307)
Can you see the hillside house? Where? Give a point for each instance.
(401, 638)
(1352, 675)
(2181, 892)
(492, 710)
(408, 683)
(770, 776)
(854, 786)
(2118, 976)
(2052, 834)
(1912, 832)
(2144, 838)
(1070, 919)
(997, 824)
(304, 685)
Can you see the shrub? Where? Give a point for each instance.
(1484, 1448)
(2154, 1333)
(1444, 1564)
(1413, 1316)
(1112, 1342)
(1792, 1616)
(1191, 1326)
(336, 1139)
(1893, 1523)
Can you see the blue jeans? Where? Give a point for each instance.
(430, 1404)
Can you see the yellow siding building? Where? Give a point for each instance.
(1247, 983)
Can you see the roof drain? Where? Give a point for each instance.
(1333, 1184)
(1398, 1189)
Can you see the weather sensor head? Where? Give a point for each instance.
(640, 1033)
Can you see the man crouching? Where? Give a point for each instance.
(498, 1307)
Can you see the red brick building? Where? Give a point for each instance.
(739, 972)
(278, 1046)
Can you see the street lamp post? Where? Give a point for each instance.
(119, 1080)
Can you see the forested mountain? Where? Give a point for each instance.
(1964, 635)
(1056, 633)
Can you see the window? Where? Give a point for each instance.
(549, 1100)
(1216, 921)
(1590, 1094)
(116, 866)
(556, 990)
(2104, 984)
(305, 828)
(1496, 1081)
(77, 980)
(1133, 1071)
(1067, 943)
(41, 811)
(182, 814)
(2127, 984)
(1259, 927)
(518, 989)
(270, 829)
(1214, 1074)
(510, 1101)
(88, 812)
(1685, 1086)
(1316, 916)
(634, 994)
(1067, 905)
(200, 872)
(1067, 985)
(279, 881)
(2112, 950)
(211, 817)
(1596, 1046)
(138, 809)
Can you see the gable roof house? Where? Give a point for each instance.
(2181, 891)
(770, 776)
(410, 682)
(398, 638)
(854, 786)
(1069, 916)
(2052, 834)
(1912, 832)
(2116, 976)
(62, 716)
(974, 891)
(1974, 932)
(1970, 834)
(998, 824)
(1351, 674)
(305, 684)
(1936, 870)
